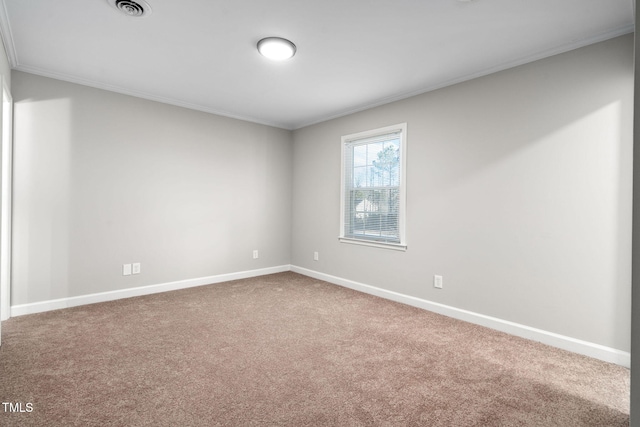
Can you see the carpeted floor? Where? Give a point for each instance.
(289, 350)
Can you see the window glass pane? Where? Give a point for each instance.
(386, 165)
(359, 155)
(391, 162)
(372, 192)
(373, 150)
(374, 214)
(360, 176)
(372, 182)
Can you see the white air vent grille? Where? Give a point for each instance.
(135, 8)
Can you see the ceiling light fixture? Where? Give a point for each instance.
(276, 48)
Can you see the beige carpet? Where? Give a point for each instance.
(289, 350)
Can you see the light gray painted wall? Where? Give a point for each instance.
(5, 68)
(5, 73)
(519, 194)
(102, 179)
(635, 312)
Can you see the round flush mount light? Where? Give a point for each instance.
(133, 8)
(276, 48)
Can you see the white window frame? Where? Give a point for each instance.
(347, 140)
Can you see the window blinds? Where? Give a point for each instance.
(372, 188)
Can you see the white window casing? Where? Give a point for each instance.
(373, 188)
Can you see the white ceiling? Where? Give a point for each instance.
(352, 54)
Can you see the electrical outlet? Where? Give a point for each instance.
(126, 269)
(136, 268)
(255, 254)
(316, 257)
(437, 282)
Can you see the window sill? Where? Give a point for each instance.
(392, 246)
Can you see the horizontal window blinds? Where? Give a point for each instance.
(372, 188)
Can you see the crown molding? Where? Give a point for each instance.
(576, 44)
(7, 36)
(7, 39)
(144, 95)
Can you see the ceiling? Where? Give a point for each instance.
(352, 54)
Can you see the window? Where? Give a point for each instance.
(373, 187)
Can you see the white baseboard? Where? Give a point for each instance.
(38, 307)
(585, 348)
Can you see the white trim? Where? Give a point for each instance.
(145, 95)
(577, 44)
(7, 36)
(39, 307)
(7, 39)
(400, 128)
(373, 243)
(574, 345)
(6, 178)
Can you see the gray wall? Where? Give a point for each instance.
(102, 179)
(635, 316)
(518, 189)
(5, 74)
(519, 194)
(5, 68)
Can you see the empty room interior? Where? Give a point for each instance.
(422, 216)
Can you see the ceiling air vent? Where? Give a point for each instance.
(135, 8)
